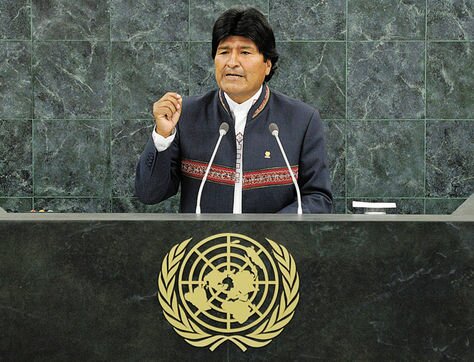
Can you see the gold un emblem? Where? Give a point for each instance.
(228, 287)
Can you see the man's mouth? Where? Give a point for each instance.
(234, 75)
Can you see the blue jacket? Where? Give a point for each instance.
(267, 185)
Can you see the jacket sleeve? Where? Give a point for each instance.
(313, 172)
(158, 173)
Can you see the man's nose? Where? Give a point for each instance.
(233, 60)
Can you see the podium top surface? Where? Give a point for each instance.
(231, 217)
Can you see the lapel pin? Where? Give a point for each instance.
(267, 154)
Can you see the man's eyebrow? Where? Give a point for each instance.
(242, 47)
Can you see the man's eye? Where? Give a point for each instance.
(245, 52)
(223, 52)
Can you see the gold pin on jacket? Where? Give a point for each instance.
(267, 154)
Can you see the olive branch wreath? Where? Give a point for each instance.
(194, 335)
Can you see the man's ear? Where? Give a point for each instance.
(268, 63)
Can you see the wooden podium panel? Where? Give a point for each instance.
(83, 287)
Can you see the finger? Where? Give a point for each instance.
(167, 104)
(173, 94)
(167, 111)
(173, 97)
(164, 108)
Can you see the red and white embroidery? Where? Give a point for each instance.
(269, 177)
(264, 102)
(221, 98)
(227, 176)
(218, 174)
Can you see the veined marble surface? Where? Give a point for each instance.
(84, 165)
(16, 175)
(15, 20)
(71, 80)
(71, 20)
(386, 20)
(392, 80)
(387, 155)
(16, 88)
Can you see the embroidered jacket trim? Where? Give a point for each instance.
(225, 175)
(260, 107)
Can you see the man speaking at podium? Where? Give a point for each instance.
(224, 147)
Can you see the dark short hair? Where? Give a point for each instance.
(249, 23)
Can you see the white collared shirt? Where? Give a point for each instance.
(240, 112)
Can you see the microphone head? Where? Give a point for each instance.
(273, 128)
(224, 128)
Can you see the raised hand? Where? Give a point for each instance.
(166, 112)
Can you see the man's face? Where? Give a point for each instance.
(240, 67)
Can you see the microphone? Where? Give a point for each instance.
(273, 128)
(223, 129)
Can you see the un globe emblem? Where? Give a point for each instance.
(228, 287)
(228, 283)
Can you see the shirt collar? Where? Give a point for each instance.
(245, 106)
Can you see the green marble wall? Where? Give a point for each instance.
(393, 81)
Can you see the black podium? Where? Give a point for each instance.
(83, 287)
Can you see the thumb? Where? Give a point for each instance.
(177, 114)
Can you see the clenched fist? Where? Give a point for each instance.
(166, 112)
